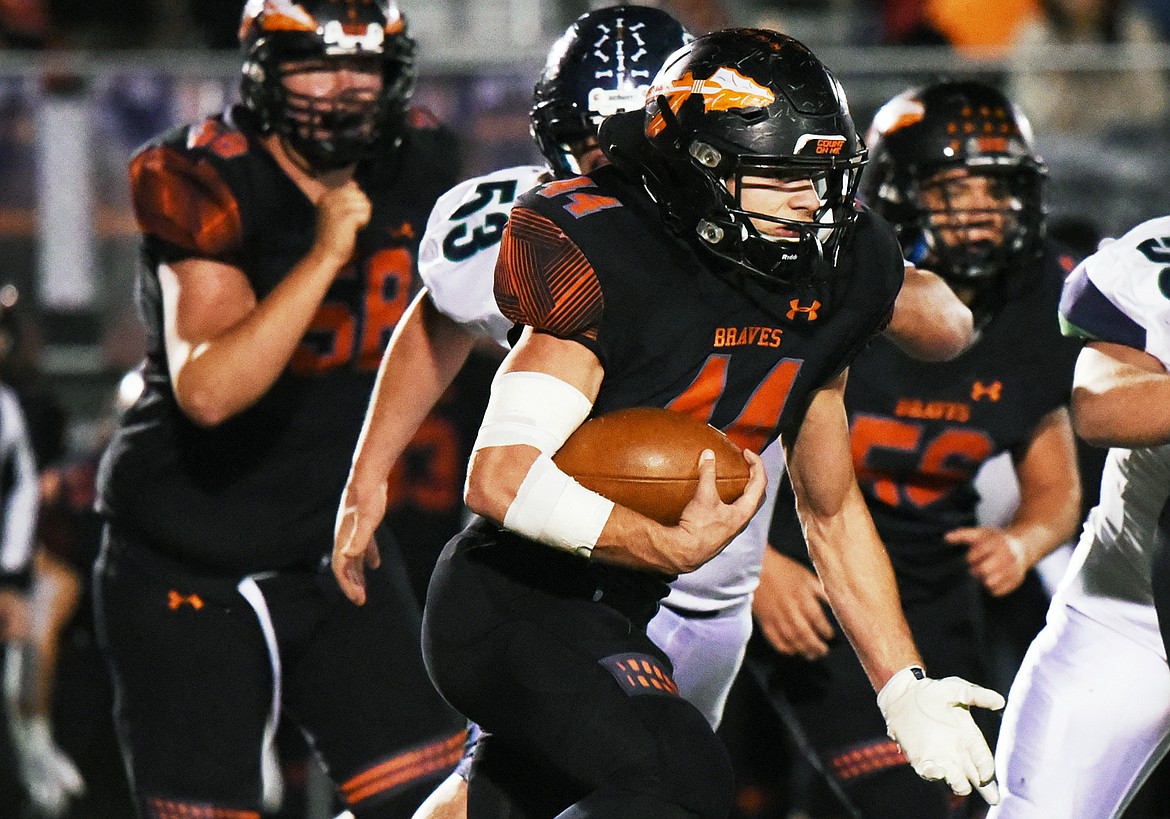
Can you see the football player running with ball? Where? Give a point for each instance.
(602, 64)
(728, 205)
(279, 241)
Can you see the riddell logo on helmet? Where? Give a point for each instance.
(724, 90)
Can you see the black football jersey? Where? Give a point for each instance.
(589, 259)
(260, 491)
(920, 431)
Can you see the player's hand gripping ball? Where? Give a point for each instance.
(647, 459)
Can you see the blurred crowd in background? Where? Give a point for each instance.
(963, 24)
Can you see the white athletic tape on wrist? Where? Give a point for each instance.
(552, 508)
(536, 409)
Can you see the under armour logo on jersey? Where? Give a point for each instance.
(176, 600)
(990, 391)
(640, 674)
(810, 312)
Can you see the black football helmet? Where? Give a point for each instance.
(968, 125)
(602, 64)
(327, 133)
(746, 102)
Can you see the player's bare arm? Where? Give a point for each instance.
(842, 541)
(1047, 516)
(225, 349)
(929, 321)
(627, 538)
(928, 718)
(432, 348)
(1121, 397)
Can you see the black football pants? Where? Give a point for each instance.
(203, 664)
(581, 715)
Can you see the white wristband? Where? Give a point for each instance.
(552, 508)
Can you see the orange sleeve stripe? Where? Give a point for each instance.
(169, 809)
(544, 280)
(868, 759)
(417, 764)
(184, 202)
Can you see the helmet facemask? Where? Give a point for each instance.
(336, 130)
(732, 231)
(816, 234)
(281, 40)
(976, 223)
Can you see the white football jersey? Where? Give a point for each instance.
(457, 256)
(1121, 294)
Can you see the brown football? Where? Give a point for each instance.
(647, 459)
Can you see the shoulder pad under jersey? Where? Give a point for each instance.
(457, 257)
(1121, 294)
(183, 202)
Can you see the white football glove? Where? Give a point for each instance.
(930, 721)
(48, 773)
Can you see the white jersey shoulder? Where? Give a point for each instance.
(1133, 273)
(1112, 561)
(457, 256)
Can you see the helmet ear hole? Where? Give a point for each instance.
(706, 155)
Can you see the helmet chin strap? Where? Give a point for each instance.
(733, 242)
(303, 163)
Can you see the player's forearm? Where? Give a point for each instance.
(220, 377)
(929, 321)
(1133, 412)
(859, 582)
(425, 354)
(637, 542)
(494, 478)
(1050, 491)
(1046, 518)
